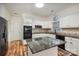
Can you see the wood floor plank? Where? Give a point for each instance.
(17, 48)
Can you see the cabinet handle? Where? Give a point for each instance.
(70, 42)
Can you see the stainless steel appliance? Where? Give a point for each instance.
(43, 43)
(27, 32)
(3, 36)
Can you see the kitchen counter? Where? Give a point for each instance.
(70, 33)
(43, 43)
(40, 30)
(65, 32)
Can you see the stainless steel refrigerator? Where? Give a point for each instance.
(3, 36)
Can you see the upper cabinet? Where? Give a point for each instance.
(44, 24)
(69, 17)
(72, 45)
(70, 21)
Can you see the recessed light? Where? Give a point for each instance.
(39, 5)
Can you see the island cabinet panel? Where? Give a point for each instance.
(72, 45)
(48, 52)
(53, 36)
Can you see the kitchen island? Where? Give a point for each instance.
(44, 46)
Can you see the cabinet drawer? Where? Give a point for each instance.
(76, 44)
(69, 46)
(68, 39)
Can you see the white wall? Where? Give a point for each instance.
(15, 28)
(4, 12)
(69, 17)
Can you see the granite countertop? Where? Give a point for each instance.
(38, 31)
(65, 32)
(42, 43)
(69, 33)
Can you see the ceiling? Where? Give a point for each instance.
(30, 8)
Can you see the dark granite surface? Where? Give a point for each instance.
(42, 43)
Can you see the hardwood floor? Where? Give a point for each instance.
(16, 48)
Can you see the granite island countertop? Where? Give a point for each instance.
(43, 43)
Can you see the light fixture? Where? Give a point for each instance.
(39, 5)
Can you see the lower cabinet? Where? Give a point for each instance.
(72, 45)
(48, 52)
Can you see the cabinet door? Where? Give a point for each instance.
(76, 44)
(53, 36)
(72, 45)
(68, 45)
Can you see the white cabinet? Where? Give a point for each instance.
(43, 35)
(65, 23)
(69, 21)
(53, 36)
(48, 52)
(72, 45)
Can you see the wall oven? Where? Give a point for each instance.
(27, 32)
